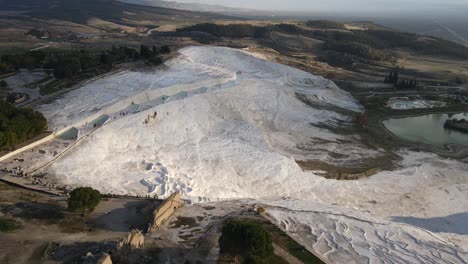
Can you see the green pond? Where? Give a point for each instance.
(70, 134)
(428, 129)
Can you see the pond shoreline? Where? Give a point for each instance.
(395, 142)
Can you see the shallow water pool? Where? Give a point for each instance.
(428, 129)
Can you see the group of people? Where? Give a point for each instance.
(17, 171)
(148, 119)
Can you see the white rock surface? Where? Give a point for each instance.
(228, 126)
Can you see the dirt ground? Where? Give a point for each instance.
(51, 234)
(44, 219)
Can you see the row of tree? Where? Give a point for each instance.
(66, 64)
(394, 78)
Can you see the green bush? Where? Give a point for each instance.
(247, 239)
(3, 84)
(7, 225)
(84, 198)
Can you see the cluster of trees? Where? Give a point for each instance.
(28, 60)
(358, 49)
(394, 78)
(38, 33)
(68, 64)
(230, 31)
(459, 80)
(382, 39)
(406, 84)
(247, 239)
(18, 125)
(154, 55)
(327, 24)
(84, 199)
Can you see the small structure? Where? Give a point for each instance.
(165, 211)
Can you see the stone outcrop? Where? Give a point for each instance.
(459, 125)
(165, 211)
(133, 240)
(103, 258)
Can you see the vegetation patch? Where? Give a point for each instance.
(18, 125)
(229, 31)
(8, 225)
(84, 199)
(366, 45)
(328, 24)
(246, 239)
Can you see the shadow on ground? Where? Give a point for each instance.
(456, 223)
(135, 214)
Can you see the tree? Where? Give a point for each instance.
(67, 68)
(145, 52)
(165, 49)
(84, 198)
(247, 239)
(156, 60)
(106, 60)
(155, 50)
(3, 84)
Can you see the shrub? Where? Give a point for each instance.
(165, 49)
(156, 60)
(84, 198)
(7, 225)
(3, 84)
(247, 239)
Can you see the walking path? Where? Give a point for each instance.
(23, 183)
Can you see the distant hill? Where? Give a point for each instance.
(80, 11)
(455, 29)
(193, 7)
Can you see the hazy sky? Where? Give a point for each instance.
(337, 5)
